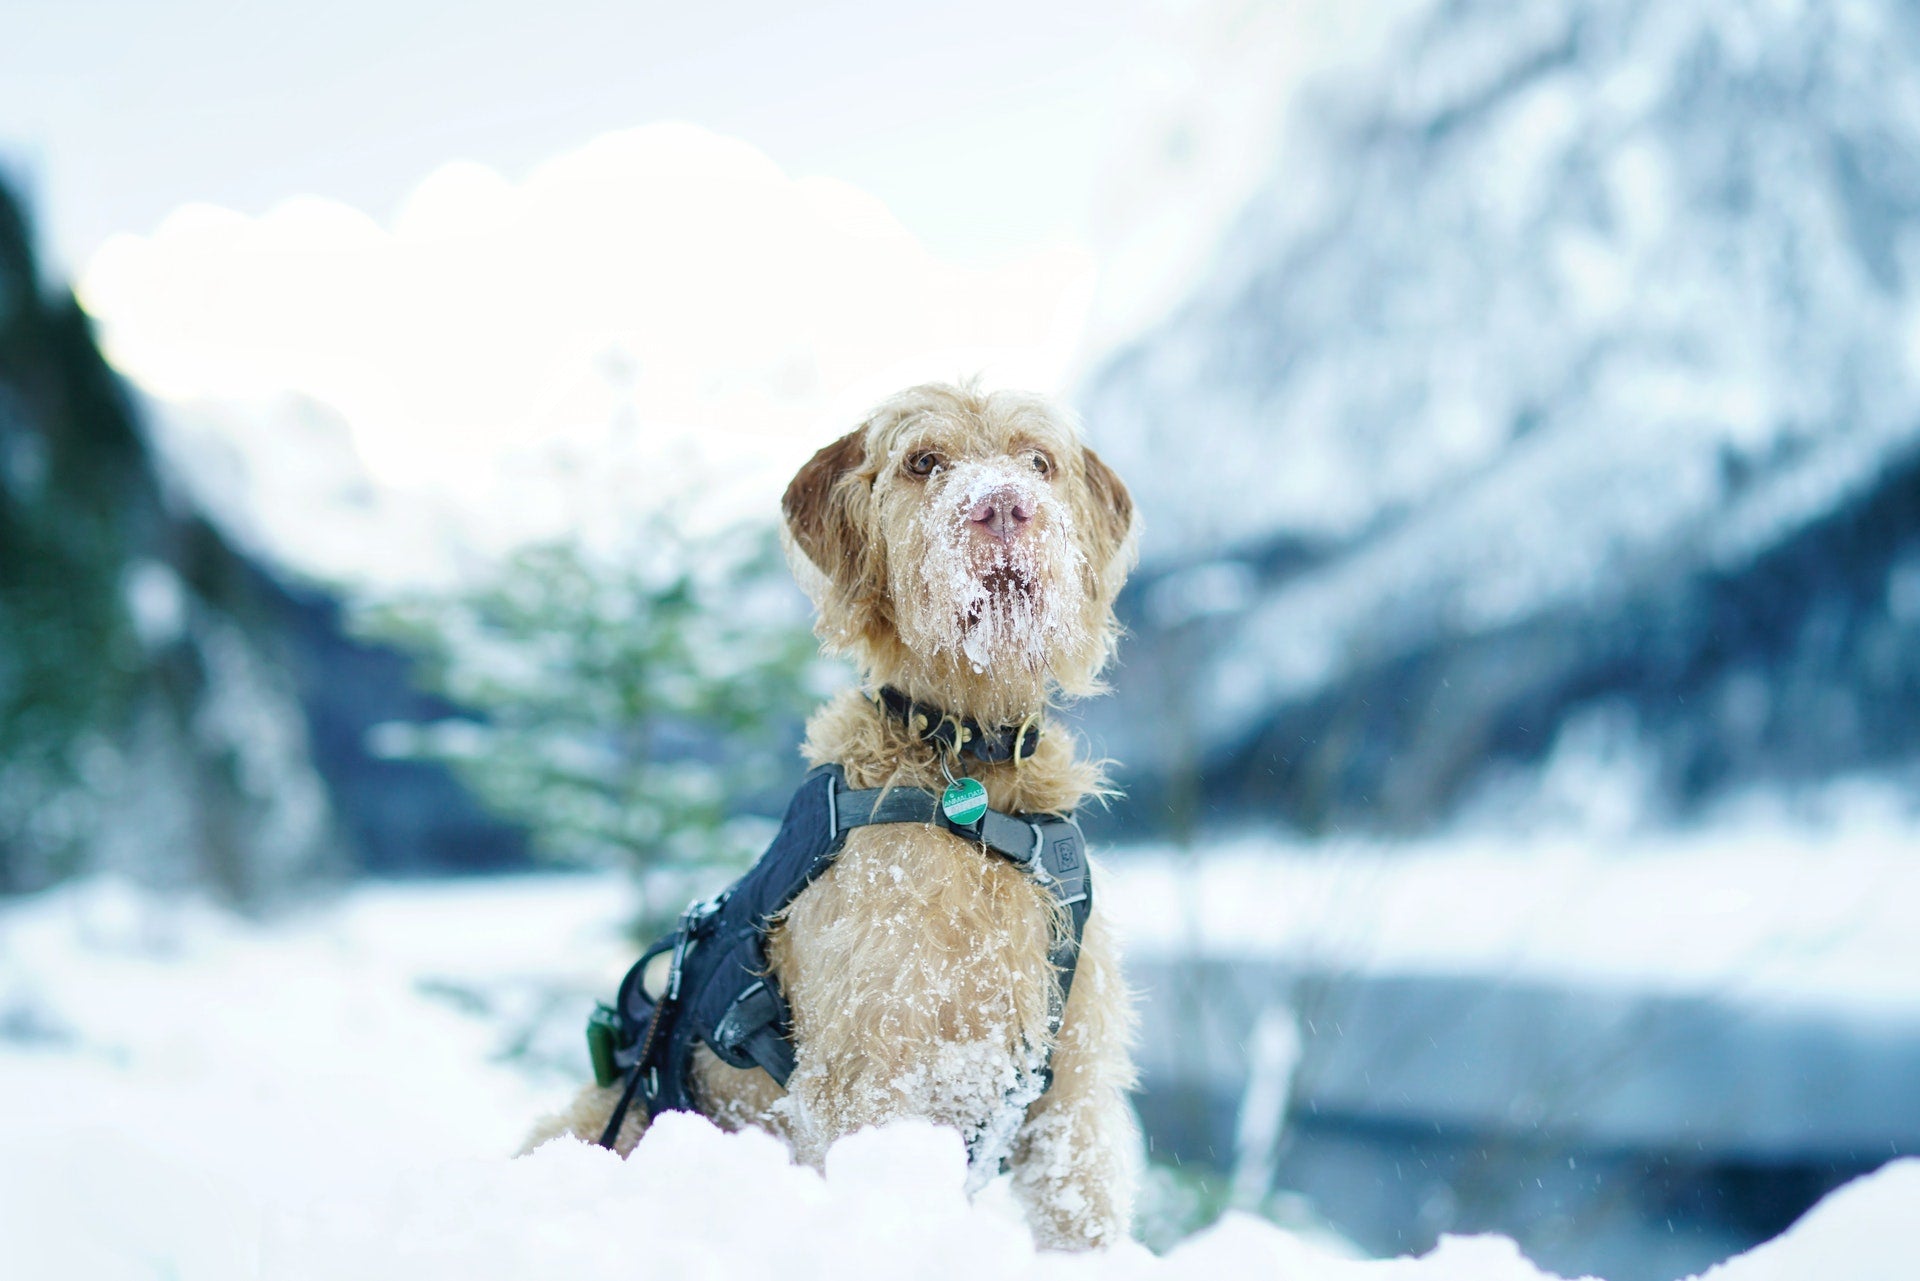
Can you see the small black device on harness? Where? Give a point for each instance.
(709, 981)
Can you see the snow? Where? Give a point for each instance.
(1211, 114)
(1021, 626)
(190, 1073)
(1500, 223)
(1751, 910)
(331, 1095)
(156, 602)
(1749, 989)
(1537, 304)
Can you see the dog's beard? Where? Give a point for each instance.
(996, 604)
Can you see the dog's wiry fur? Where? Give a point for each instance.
(916, 966)
(869, 538)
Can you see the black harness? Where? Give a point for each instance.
(710, 982)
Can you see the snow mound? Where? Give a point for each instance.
(696, 1203)
(692, 1203)
(199, 1097)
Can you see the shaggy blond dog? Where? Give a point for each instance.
(964, 548)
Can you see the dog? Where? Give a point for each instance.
(963, 548)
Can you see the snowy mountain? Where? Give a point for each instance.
(283, 479)
(1556, 401)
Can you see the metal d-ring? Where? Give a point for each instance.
(1020, 738)
(960, 734)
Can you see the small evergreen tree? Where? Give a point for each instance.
(625, 705)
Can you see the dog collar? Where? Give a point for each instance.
(958, 735)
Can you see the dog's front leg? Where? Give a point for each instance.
(1076, 1159)
(863, 1069)
(586, 1117)
(909, 968)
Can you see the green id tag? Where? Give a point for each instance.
(602, 1031)
(965, 801)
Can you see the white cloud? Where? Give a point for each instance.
(664, 273)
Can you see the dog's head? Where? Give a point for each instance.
(965, 547)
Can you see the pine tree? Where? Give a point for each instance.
(626, 707)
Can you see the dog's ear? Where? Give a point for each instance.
(1113, 515)
(815, 505)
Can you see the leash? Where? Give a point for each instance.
(609, 1137)
(603, 1031)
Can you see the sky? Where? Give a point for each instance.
(398, 275)
(982, 126)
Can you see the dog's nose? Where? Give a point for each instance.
(1001, 514)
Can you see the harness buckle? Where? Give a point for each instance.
(700, 911)
(692, 924)
(1035, 862)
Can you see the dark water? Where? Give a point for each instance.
(1632, 1136)
(1624, 1215)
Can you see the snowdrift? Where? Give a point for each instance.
(329, 1096)
(696, 1203)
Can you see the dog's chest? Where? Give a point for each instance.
(926, 932)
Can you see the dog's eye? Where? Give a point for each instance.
(1041, 463)
(924, 464)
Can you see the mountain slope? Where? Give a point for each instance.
(1567, 374)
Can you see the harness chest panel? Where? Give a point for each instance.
(719, 989)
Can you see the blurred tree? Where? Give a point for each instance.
(629, 706)
(69, 656)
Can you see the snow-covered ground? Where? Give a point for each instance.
(173, 1075)
(333, 1094)
(891, 1205)
(1756, 911)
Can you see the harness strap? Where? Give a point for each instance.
(752, 1029)
(648, 1035)
(1028, 841)
(1049, 848)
